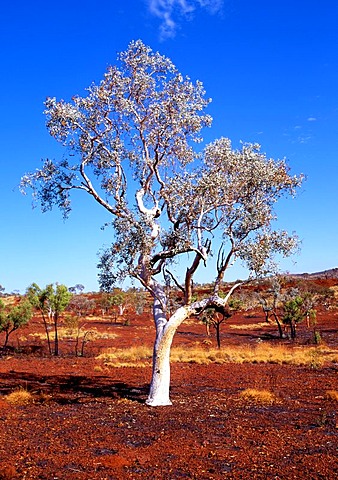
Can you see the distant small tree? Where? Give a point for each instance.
(58, 299)
(270, 298)
(215, 317)
(14, 317)
(293, 314)
(51, 302)
(118, 303)
(139, 300)
(76, 289)
(298, 304)
(105, 303)
(39, 299)
(2, 290)
(81, 305)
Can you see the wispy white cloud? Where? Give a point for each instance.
(304, 139)
(312, 119)
(171, 12)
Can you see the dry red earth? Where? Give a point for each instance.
(90, 423)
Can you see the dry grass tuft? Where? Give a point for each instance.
(251, 326)
(20, 397)
(125, 401)
(332, 395)
(98, 368)
(135, 356)
(262, 397)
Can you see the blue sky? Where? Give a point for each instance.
(271, 69)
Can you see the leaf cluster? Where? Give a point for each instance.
(14, 317)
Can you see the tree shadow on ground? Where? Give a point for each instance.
(72, 388)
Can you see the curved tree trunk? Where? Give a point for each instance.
(280, 330)
(160, 382)
(165, 331)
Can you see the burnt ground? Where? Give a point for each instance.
(90, 423)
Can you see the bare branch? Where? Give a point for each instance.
(178, 285)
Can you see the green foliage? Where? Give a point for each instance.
(317, 338)
(14, 317)
(58, 298)
(51, 302)
(235, 303)
(38, 299)
(117, 299)
(294, 312)
(52, 298)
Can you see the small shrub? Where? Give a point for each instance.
(20, 397)
(316, 359)
(98, 368)
(263, 397)
(317, 338)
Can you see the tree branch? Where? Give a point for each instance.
(91, 190)
(191, 271)
(222, 265)
(178, 285)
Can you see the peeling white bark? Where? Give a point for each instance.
(160, 382)
(165, 331)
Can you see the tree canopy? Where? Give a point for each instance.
(13, 317)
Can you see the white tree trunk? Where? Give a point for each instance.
(160, 382)
(165, 331)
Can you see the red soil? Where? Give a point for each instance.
(92, 424)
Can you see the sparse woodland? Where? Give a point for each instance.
(82, 414)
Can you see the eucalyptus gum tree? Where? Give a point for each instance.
(132, 147)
